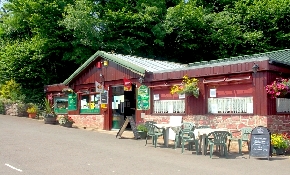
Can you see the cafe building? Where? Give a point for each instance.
(231, 91)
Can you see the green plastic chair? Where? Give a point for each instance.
(186, 127)
(245, 137)
(153, 132)
(219, 139)
(146, 125)
(189, 137)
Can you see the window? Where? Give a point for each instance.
(230, 105)
(282, 105)
(90, 102)
(61, 105)
(169, 106)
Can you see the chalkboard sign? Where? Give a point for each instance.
(72, 102)
(104, 97)
(260, 142)
(133, 127)
(143, 98)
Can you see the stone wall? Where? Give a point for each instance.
(88, 121)
(16, 109)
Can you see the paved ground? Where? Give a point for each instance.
(31, 147)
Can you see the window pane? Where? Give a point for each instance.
(169, 106)
(230, 105)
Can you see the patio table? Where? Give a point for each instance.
(174, 127)
(201, 135)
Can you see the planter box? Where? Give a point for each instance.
(142, 134)
(50, 120)
(279, 151)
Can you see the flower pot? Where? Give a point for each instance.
(31, 115)
(49, 120)
(68, 124)
(142, 134)
(279, 151)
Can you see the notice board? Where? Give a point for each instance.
(260, 142)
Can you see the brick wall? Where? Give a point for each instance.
(88, 121)
(276, 123)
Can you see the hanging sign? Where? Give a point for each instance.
(143, 98)
(127, 85)
(99, 87)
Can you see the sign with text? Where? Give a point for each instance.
(72, 102)
(104, 97)
(133, 127)
(260, 142)
(143, 98)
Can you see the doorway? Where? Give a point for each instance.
(123, 104)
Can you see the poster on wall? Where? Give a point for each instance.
(181, 96)
(143, 98)
(156, 96)
(127, 85)
(212, 93)
(99, 87)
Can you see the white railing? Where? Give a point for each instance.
(169, 106)
(230, 105)
(282, 105)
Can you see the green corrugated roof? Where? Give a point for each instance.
(135, 64)
(280, 56)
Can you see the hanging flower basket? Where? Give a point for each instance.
(67, 90)
(189, 86)
(279, 88)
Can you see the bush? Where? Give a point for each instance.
(142, 127)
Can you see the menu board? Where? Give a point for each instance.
(72, 102)
(143, 98)
(104, 97)
(133, 127)
(260, 144)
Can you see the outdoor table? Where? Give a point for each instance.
(174, 127)
(201, 135)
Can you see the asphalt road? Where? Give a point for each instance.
(31, 147)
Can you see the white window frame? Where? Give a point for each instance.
(283, 105)
(169, 106)
(230, 105)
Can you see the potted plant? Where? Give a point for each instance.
(188, 86)
(142, 130)
(32, 111)
(279, 88)
(280, 143)
(65, 120)
(49, 117)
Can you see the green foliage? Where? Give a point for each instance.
(40, 39)
(142, 127)
(48, 107)
(11, 90)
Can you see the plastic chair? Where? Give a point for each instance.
(146, 125)
(219, 139)
(186, 127)
(189, 137)
(245, 133)
(154, 133)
